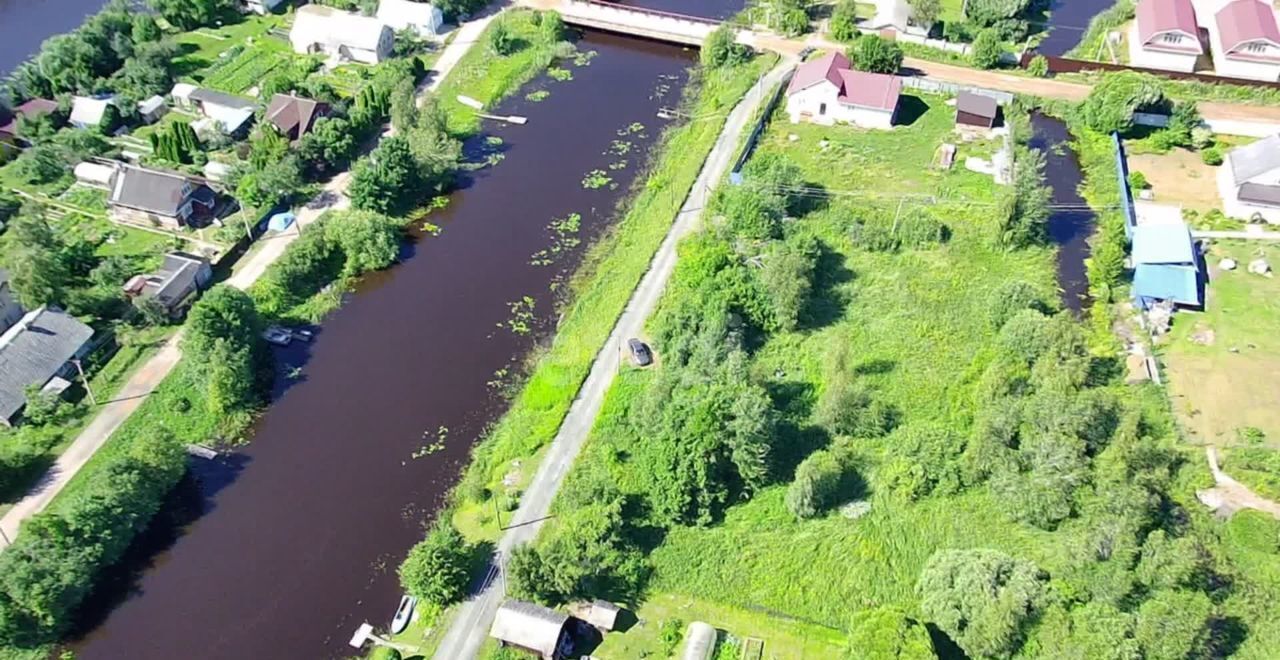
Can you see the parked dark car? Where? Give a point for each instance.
(640, 353)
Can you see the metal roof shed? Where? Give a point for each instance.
(1165, 243)
(699, 641)
(603, 615)
(532, 627)
(976, 110)
(1178, 284)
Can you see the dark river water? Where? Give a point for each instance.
(1071, 227)
(24, 24)
(1068, 21)
(284, 548)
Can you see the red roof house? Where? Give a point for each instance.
(827, 91)
(32, 108)
(1169, 25)
(1247, 40)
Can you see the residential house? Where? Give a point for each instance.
(152, 109)
(10, 309)
(226, 113)
(38, 350)
(826, 91)
(1165, 35)
(261, 7)
(894, 16)
(294, 115)
(534, 628)
(175, 286)
(1249, 181)
(156, 198)
(89, 111)
(1165, 265)
(339, 34)
(976, 111)
(30, 109)
(1246, 41)
(423, 18)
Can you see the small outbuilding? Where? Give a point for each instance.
(534, 628)
(603, 615)
(699, 642)
(152, 109)
(88, 112)
(976, 111)
(423, 18)
(95, 175)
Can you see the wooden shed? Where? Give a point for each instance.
(533, 628)
(976, 110)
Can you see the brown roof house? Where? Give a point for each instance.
(534, 628)
(175, 286)
(1249, 181)
(1165, 35)
(156, 198)
(827, 91)
(1246, 41)
(38, 350)
(976, 112)
(10, 140)
(293, 115)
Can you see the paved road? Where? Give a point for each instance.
(471, 624)
(150, 374)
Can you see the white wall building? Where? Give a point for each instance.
(347, 36)
(1245, 39)
(1165, 35)
(1249, 181)
(826, 91)
(424, 18)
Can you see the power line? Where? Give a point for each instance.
(814, 192)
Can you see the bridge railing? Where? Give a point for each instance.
(657, 13)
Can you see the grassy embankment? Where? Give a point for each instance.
(598, 293)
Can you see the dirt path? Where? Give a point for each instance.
(1229, 495)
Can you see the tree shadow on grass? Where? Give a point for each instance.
(794, 443)
(875, 367)
(1227, 634)
(827, 301)
(943, 645)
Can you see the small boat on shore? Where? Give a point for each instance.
(404, 614)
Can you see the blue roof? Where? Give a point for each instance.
(1162, 282)
(1163, 243)
(280, 221)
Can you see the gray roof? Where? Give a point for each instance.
(1253, 159)
(528, 626)
(32, 352)
(155, 191)
(219, 98)
(1259, 193)
(176, 278)
(977, 104)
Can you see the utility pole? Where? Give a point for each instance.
(87, 388)
(497, 513)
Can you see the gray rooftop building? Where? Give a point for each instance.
(35, 351)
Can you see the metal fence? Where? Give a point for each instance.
(735, 174)
(1126, 195)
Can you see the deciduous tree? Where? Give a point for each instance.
(982, 599)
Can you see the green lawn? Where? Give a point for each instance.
(1221, 363)
(201, 48)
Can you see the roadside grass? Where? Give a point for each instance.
(598, 292)
(487, 77)
(1221, 363)
(784, 638)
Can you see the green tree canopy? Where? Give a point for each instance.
(982, 599)
(1112, 102)
(888, 633)
(876, 54)
(437, 568)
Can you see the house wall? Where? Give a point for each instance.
(1252, 70)
(1234, 208)
(1151, 59)
(143, 218)
(808, 105)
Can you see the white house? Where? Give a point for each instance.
(1165, 35)
(262, 7)
(894, 15)
(826, 91)
(88, 112)
(1246, 41)
(422, 17)
(340, 34)
(1249, 181)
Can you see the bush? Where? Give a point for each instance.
(1112, 102)
(720, 49)
(887, 632)
(877, 55)
(793, 22)
(670, 633)
(816, 484)
(982, 599)
(436, 569)
(987, 49)
(844, 22)
(1038, 66)
(1138, 181)
(1211, 156)
(501, 39)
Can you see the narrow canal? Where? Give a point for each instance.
(1071, 222)
(285, 547)
(1068, 21)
